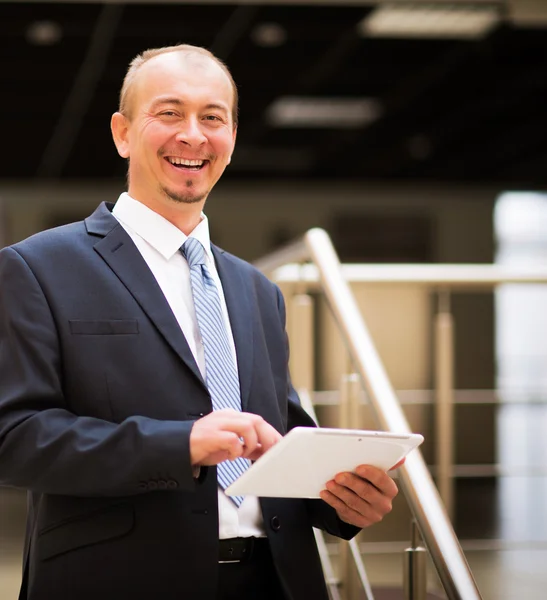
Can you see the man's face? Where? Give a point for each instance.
(180, 135)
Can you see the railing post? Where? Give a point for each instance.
(415, 571)
(351, 566)
(332, 582)
(302, 342)
(350, 395)
(347, 418)
(444, 407)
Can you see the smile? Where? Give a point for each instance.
(193, 165)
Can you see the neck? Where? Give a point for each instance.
(185, 217)
(185, 220)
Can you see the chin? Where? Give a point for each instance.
(185, 196)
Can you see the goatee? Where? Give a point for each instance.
(186, 197)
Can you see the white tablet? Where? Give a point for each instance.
(300, 464)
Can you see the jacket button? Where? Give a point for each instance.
(172, 485)
(275, 523)
(162, 485)
(152, 485)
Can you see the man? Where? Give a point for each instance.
(114, 409)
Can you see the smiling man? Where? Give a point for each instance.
(177, 128)
(143, 368)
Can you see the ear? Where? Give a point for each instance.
(234, 135)
(119, 126)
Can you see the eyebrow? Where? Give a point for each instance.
(179, 102)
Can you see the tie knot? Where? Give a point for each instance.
(194, 252)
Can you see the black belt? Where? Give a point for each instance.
(241, 550)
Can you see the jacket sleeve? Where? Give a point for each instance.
(46, 448)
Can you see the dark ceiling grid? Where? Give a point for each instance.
(232, 30)
(245, 60)
(464, 127)
(374, 148)
(324, 37)
(314, 82)
(438, 86)
(503, 113)
(381, 149)
(474, 109)
(527, 140)
(153, 25)
(472, 134)
(497, 151)
(83, 90)
(36, 80)
(528, 166)
(326, 63)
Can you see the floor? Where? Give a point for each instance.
(502, 522)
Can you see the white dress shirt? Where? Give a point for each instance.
(159, 242)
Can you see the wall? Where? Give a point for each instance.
(247, 218)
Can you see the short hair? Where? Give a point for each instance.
(140, 59)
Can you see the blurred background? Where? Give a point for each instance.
(412, 132)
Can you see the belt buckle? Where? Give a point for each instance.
(245, 554)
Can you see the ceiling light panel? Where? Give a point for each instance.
(269, 35)
(44, 33)
(452, 21)
(331, 113)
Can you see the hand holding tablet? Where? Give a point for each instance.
(300, 465)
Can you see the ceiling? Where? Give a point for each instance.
(449, 110)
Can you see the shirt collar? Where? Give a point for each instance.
(156, 230)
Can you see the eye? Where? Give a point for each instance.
(212, 118)
(168, 113)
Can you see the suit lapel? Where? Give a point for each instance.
(238, 294)
(122, 256)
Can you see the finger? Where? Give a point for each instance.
(249, 435)
(231, 443)
(240, 424)
(224, 446)
(231, 434)
(359, 495)
(345, 512)
(379, 479)
(357, 485)
(268, 436)
(259, 435)
(259, 451)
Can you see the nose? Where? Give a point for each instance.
(191, 133)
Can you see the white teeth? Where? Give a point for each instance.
(187, 163)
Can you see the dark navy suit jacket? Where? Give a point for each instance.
(98, 393)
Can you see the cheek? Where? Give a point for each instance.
(154, 137)
(222, 143)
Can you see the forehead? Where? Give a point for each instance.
(182, 75)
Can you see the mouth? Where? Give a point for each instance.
(186, 164)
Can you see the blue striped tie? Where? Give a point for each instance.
(220, 372)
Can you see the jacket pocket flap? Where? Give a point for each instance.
(104, 327)
(92, 528)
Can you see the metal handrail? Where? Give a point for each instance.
(475, 277)
(416, 482)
